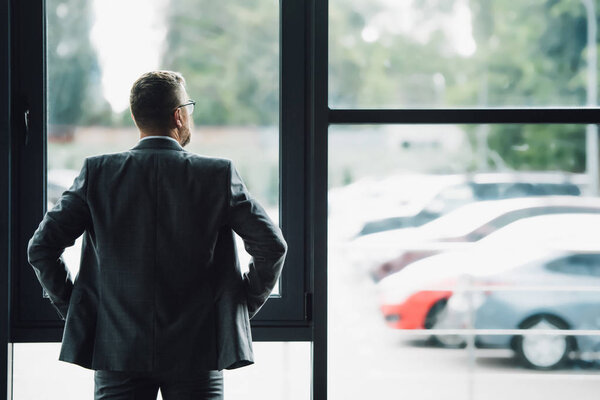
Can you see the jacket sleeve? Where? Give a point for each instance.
(58, 230)
(262, 238)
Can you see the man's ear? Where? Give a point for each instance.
(177, 117)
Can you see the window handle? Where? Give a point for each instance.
(308, 306)
(26, 116)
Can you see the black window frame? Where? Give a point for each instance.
(5, 215)
(284, 317)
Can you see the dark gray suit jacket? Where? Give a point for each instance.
(159, 286)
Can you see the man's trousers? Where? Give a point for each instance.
(114, 385)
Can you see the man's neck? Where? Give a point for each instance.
(148, 134)
(162, 137)
(171, 135)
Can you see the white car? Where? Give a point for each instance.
(469, 223)
(415, 297)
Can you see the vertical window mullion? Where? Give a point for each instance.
(318, 63)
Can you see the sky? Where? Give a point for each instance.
(129, 37)
(399, 18)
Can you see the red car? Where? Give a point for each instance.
(418, 311)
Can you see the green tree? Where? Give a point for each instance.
(391, 69)
(531, 54)
(229, 54)
(74, 77)
(527, 54)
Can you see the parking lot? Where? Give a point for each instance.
(370, 360)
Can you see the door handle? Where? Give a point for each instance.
(26, 118)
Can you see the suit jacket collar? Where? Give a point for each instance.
(158, 143)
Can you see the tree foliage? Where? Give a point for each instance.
(229, 54)
(524, 54)
(533, 54)
(73, 90)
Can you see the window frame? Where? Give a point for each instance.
(32, 319)
(5, 185)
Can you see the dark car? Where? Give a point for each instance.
(484, 186)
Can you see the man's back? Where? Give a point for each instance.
(159, 286)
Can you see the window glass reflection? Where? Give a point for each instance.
(462, 53)
(455, 259)
(228, 53)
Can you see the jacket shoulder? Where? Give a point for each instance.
(197, 160)
(99, 159)
(207, 162)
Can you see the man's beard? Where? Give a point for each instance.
(187, 134)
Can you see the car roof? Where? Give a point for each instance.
(521, 242)
(559, 231)
(528, 177)
(453, 264)
(469, 217)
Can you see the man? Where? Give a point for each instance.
(159, 301)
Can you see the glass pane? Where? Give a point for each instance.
(448, 244)
(499, 375)
(462, 53)
(228, 53)
(281, 372)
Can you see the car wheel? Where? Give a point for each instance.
(543, 351)
(450, 341)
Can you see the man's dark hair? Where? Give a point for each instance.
(153, 98)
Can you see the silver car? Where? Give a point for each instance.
(559, 291)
